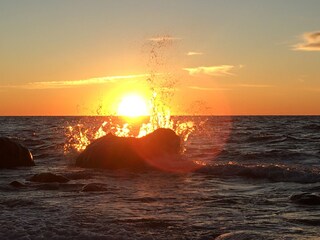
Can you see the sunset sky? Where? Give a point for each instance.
(80, 57)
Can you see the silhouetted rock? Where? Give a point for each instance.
(17, 184)
(13, 154)
(48, 178)
(306, 198)
(94, 187)
(112, 152)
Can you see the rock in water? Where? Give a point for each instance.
(306, 198)
(160, 142)
(13, 154)
(112, 152)
(17, 184)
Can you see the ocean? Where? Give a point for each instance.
(249, 167)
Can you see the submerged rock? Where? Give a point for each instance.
(112, 152)
(306, 198)
(13, 154)
(48, 178)
(17, 184)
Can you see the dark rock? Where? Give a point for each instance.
(13, 154)
(94, 187)
(17, 184)
(306, 198)
(48, 178)
(112, 152)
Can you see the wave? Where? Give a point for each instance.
(268, 156)
(266, 138)
(13, 203)
(271, 138)
(312, 126)
(271, 172)
(277, 154)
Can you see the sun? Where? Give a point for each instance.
(133, 106)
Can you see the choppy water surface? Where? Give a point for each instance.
(253, 166)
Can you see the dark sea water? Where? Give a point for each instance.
(252, 167)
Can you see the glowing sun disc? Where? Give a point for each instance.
(133, 106)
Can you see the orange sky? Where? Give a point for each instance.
(82, 58)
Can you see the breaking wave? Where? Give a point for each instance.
(272, 172)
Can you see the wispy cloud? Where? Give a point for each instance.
(194, 53)
(73, 83)
(208, 88)
(164, 38)
(221, 70)
(255, 85)
(230, 87)
(311, 42)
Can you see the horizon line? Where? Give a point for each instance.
(177, 115)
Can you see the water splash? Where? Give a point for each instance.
(78, 137)
(161, 83)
